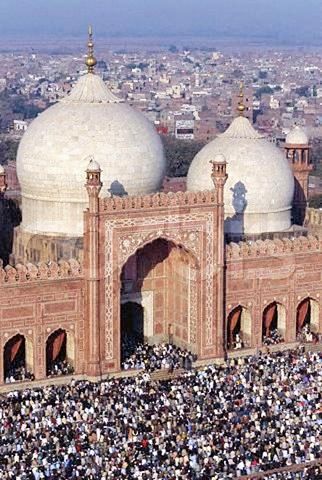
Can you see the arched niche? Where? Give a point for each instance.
(239, 328)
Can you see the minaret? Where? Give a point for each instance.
(241, 107)
(219, 177)
(90, 59)
(3, 181)
(297, 152)
(91, 270)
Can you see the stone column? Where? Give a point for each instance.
(93, 355)
(219, 177)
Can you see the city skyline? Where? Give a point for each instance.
(286, 22)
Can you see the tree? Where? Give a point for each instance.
(262, 74)
(303, 91)
(179, 154)
(263, 90)
(316, 201)
(8, 150)
(173, 49)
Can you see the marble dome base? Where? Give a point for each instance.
(28, 247)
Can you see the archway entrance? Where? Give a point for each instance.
(159, 295)
(58, 361)
(14, 359)
(307, 318)
(273, 324)
(132, 328)
(239, 328)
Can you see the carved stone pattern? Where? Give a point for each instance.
(129, 243)
(173, 227)
(42, 271)
(276, 247)
(193, 305)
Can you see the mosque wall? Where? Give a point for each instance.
(36, 301)
(282, 271)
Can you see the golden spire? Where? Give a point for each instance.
(241, 107)
(90, 61)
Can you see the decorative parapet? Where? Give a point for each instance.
(266, 248)
(313, 217)
(158, 200)
(43, 271)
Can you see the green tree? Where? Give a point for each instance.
(179, 154)
(316, 201)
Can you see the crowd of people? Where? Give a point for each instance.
(59, 367)
(247, 415)
(306, 335)
(18, 373)
(142, 356)
(273, 338)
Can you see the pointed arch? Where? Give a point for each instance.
(239, 326)
(162, 277)
(308, 313)
(18, 358)
(60, 350)
(274, 318)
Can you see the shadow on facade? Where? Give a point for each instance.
(235, 225)
(117, 189)
(299, 204)
(10, 217)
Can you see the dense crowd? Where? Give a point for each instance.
(60, 367)
(18, 373)
(248, 415)
(273, 338)
(142, 356)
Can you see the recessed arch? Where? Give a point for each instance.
(18, 358)
(162, 277)
(239, 328)
(274, 319)
(60, 352)
(308, 314)
(151, 238)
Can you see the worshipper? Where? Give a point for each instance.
(273, 338)
(256, 414)
(60, 367)
(154, 357)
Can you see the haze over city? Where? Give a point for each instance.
(276, 22)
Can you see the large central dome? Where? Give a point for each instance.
(260, 185)
(53, 156)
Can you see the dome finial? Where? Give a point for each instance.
(90, 61)
(241, 107)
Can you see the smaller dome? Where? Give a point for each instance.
(219, 158)
(93, 166)
(297, 136)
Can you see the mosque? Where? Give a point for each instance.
(236, 255)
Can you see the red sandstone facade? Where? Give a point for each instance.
(166, 253)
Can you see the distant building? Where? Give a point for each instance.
(20, 125)
(184, 127)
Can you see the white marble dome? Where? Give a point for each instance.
(260, 185)
(54, 153)
(297, 136)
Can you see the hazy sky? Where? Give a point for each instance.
(279, 20)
